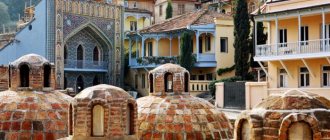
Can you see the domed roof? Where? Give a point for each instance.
(180, 116)
(169, 67)
(92, 92)
(294, 99)
(34, 113)
(32, 59)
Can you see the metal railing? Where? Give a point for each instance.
(85, 64)
(206, 57)
(301, 47)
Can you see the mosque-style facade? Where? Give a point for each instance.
(83, 38)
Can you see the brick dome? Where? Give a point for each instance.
(105, 112)
(33, 60)
(171, 113)
(281, 115)
(32, 114)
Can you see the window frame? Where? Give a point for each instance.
(283, 37)
(226, 44)
(181, 9)
(285, 78)
(160, 10)
(208, 43)
(143, 81)
(305, 74)
(328, 76)
(133, 26)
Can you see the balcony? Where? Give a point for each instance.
(296, 50)
(152, 61)
(206, 60)
(85, 65)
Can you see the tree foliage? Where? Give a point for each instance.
(242, 42)
(16, 7)
(5, 19)
(187, 60)
(261, 36)
(169, 10)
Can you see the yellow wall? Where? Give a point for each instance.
(294, 4)
(141, 23)
(313, 22)
(225, 28)
(293, 68)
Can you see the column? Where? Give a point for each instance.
(170, 46)
(130, 51)
(323, 31)
(143, 47)
(157, 42)
(299, 32)
(197, 45)
(276, 35)
(137, 48)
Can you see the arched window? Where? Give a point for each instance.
(24, 75)
(65, 52)
(245, 130)
(300, 131)
(98, 121)
(71, 120)
(168, 82)
(130, 120)
(96, 80)
(96, 55)
(80, 56)
(80, 84)
(151, 83)
(186, 82)
(47, 73)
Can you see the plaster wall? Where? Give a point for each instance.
(28, 41)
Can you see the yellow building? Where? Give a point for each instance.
(212, 45)
(297, 53)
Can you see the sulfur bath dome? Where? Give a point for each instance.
(174, 114)
(295, 114)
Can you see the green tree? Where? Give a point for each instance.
(242, 42)
(5, 19)
(169, 10)
(186, 60)
(261, 36)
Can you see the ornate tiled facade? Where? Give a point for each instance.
(89, 24)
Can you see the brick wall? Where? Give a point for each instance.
(159, 83)
(4, 78)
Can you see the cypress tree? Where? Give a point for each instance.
(186, 59)
(261, 36)
(169, 10)
(241, 44)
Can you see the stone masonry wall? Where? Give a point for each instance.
(4, 78)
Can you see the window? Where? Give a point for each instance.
(65, 52)
(136, 81)
(200, 43)
(98, 120)
(224, 44)
(24, 75)
(223, 11)
(208, 43)
(80, 56)
(149, 48)
(160, 10)
(326, 76)
(130, 119)
(283, 78)
(283, 37)
(327, 34)
(135, 5)
(209, 76)
(47, 73)
(186, 82)
(300, 131)
(133, 26)
(201, 77)
(181, 9)
(304, 35)
(151, 79)
(96, 55)
(193, 77)
(143, 81)
(168, 82)
(304, 77)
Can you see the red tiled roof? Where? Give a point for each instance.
(199, 17)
